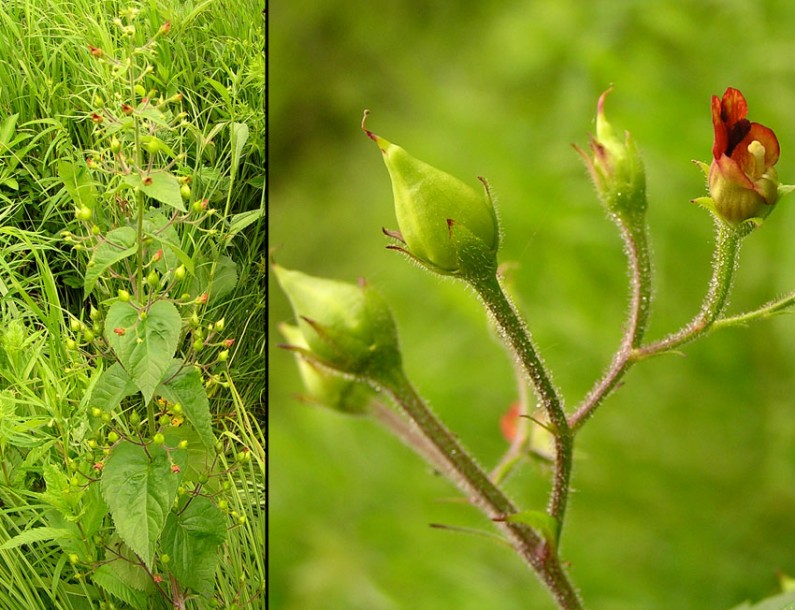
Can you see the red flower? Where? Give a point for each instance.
(95, 51)
(98, 466)
(742, 180)
(120, 331)
(228, 342)
(509, 422)
(175, 469)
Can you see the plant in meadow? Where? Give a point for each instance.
(346, 341)
(140, 503)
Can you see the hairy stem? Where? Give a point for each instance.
(727, 249)
(638, 257)
(462, 469)
(517, 337)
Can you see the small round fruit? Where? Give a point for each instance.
(180, 272)
(159, 439)
(184, 190)
(112, 437)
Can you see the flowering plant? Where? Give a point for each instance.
(452, 231)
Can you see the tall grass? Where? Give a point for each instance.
(48, 79)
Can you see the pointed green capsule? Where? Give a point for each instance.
(346, 327)
(429, 203)
(616, 168)
(324, 388)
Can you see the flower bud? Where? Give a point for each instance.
(324, 388)
(430, 205)
(743, 183)
(346, 327)
(616, 168)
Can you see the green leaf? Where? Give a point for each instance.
(785, 601)
(224, 280)
(185, 387)
(81, 188)
(36, 534)
(106, 577)
(192, 538)
(147, 346)
(113, 386)
(120, 243)
(7, 129)
(242, 220)
(540, 521)
(164, 236)
(164, 187)
(239, 136)
(198, 458)
(127, 567)
(139, 491)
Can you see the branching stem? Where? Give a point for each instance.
(462, 469)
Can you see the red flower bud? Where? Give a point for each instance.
(165, 28)
(98, 466)
(97, 118)
(203, 298)
(120, 331)
(743, 183)
(228, 342)
(509, 422)
(158, 255)
(127, 109)
(95, 51)
(175, 469)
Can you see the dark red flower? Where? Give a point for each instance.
(742, 180)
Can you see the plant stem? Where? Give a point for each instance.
(516, 335)
(462, 469)
(727, 249)
(636, 241)
(767, 310)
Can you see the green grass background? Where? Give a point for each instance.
(685, 479)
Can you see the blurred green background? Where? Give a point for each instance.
(685, 479)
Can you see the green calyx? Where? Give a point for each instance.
(429, 203)
(324, 388)
(346, 327)
(616, 169)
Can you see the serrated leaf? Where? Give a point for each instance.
(185, 387)
(127, 566)
(107, 578)
(198, 458)
(78, 183)
(118, 245)
(139, 489)
(36, 534)
(146, 347)
(114, 385)
(192, 538)
(164, 187)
